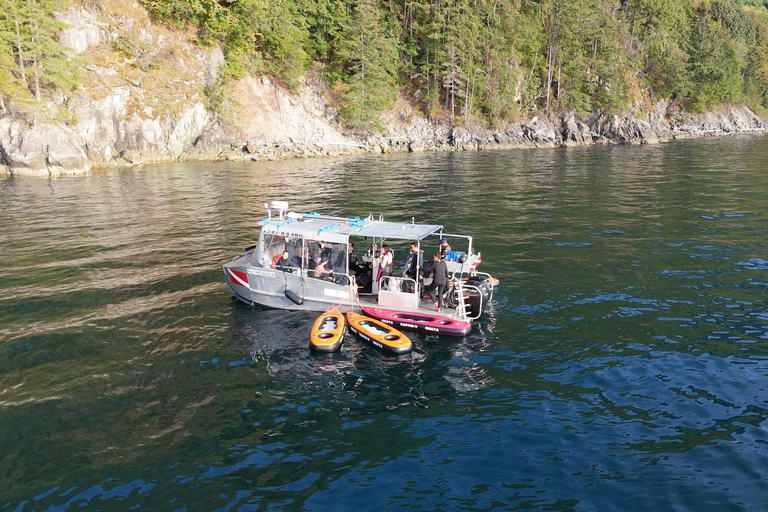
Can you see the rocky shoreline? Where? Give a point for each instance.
(50, 149)
(150, 108)
(564, 131)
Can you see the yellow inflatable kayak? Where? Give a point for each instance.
(379, 334)
(328, 331)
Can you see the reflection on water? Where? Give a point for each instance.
(621, 366)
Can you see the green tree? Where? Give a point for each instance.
(660, 35)
(283, 37)
(369, 52)
(714, 62)
(31, 58)
(756, 69)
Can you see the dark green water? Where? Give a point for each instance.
(623, 364)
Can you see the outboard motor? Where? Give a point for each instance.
(484, 285)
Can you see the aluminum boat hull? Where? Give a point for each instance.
(267, 287)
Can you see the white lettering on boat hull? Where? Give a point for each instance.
(263, 273)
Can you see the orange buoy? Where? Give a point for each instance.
(379, 334)
(328, 331)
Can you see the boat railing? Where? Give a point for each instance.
(467, 237)
(340, 278)
(490, 281)
(398, 292)
(290, 270)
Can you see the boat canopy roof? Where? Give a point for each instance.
(314, 226)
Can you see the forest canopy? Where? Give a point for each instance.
(464, 60)
(31, 59)
(494, 60)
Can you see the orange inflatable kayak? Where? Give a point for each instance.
(379, 334)
(328, 331)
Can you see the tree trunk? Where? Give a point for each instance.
(550, 66)
(453, 85)
(466, 100)
(36, 61)
(550, 57)
(37, 80)
(19, 51)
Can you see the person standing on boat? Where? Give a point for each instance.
(413, 263)
(444, 248)
(385, 262)
(439, 271)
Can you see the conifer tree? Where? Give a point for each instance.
(50, 64)
(756, 69)
(31, 58)
(714, 63)
(370, 53)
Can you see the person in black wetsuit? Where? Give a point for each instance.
(439, 272)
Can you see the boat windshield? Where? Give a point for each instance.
(335, 254)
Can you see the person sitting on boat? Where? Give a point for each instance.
(325, 251)
(440, 279)
(444, 248)
(284, 263)
(322, 269)
(296, 260)
(354, 263)
(313, 254)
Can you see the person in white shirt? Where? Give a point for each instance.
(385, 262)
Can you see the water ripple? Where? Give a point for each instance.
(621, 366)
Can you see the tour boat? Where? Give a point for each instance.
(317, 271)
(420, 322)
(328, 331)
(378, 334)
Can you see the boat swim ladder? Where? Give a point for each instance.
(463, 308)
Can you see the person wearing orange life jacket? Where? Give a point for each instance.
(284, 263)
